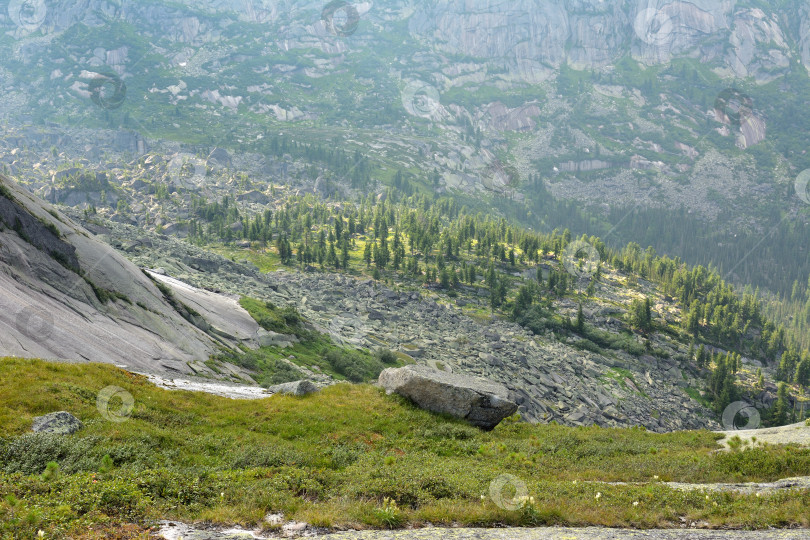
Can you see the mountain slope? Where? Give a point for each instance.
(552, 378)
(65, 295)
(353, 458)
(514, 109)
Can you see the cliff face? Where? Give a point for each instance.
(749, 41)
(594, 33)
(741, 40)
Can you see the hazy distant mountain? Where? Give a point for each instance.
(694, 110)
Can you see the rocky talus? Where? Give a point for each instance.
(548, 379)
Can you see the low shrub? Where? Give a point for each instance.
(31, 453)
(385, 356)
(353, 365)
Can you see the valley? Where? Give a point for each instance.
(361, 270)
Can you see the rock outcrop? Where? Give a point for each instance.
(529, 36)
(482, 403)
(590, 34)
(65, 295)
(220, 157)
(58, 423)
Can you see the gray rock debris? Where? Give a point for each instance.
(548, 379)
(560, 533)
(175, 531)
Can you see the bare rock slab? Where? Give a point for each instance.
(59, 423)
(481, 402)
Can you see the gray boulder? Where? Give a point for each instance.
(297, 388)
(253, 196)
(59, 423)
(274, 339)
(481, 402)
(219, 156)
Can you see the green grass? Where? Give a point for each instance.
(266, 260)
(318, 354)
(284, 320)
(694, 393)
(334, 457)
(5, 192)
(314, 351)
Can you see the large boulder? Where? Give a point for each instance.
(269, 338)
(297, 388)
(254, 197)
(221, 157)
(59, 423)
(481, 402)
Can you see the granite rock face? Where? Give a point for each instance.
(592, 33)
(530, 34)
(481, 402)
(66, 295)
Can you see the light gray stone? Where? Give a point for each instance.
(274, 339)
(59, 423)
(481, 402)
(297, 388)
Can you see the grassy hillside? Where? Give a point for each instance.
(275, 364)
(338, 458)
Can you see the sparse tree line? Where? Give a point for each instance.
(442, 245)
